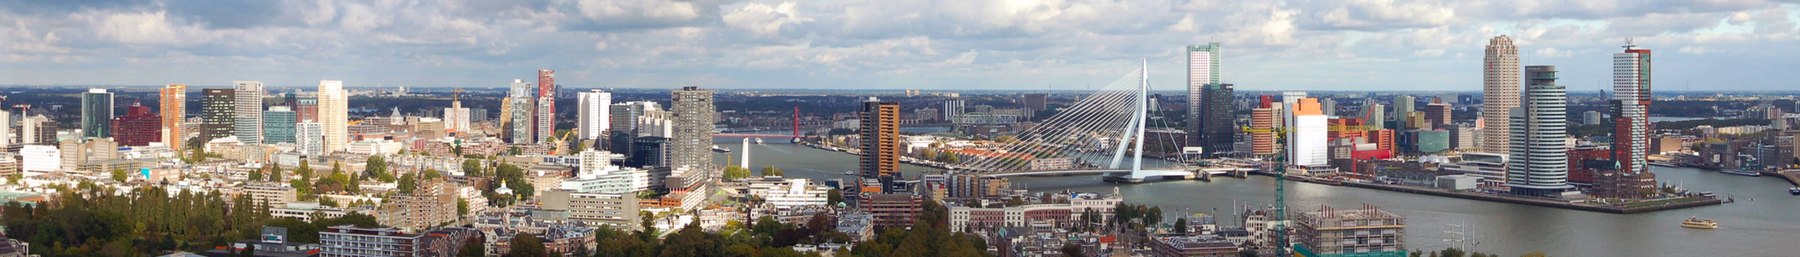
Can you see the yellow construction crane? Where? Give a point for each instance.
(562, 143)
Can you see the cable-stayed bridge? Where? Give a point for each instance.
(1103, 133)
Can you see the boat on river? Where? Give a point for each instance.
(1696, 222)
(1741, 172)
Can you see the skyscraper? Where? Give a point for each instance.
(1631, 101)
(96, 113)
(1288, 99)
(1203, 69)
(334, 116)
(1403, 108)
(592, 118)
(1306, 136)
(625, 115)
(278, 125)
(138, 127)
(545, 114)
(216, 113)
(1372, 114)
(248, 115)
(456, 118)
(1539, 157)
(1499, 93)
(309, 138)
(953, 107)
(306, 108)
(1218, 116)
(694, 114)
(173, 99)
(6, 124)
(1437, 113)
(880, 138)
(1262, 120)
(522, 99)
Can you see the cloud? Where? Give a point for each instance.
(949, 44)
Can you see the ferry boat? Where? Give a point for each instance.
(758, 140)
(1663, 164)
(1741, 172)
(1696, 222)
(1794, 190)
(849, 173)
(716, 148)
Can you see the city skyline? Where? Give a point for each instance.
(786, 45)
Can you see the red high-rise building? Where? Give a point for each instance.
(138, 127)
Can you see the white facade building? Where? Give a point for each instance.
(40, 158)
(1306, 138)
(375, 147)
(456, 118)
(334, 114)
(598, 175)
(1539, 157)
(247, 115)
(788, 194)
(309, 138)
(592, 117)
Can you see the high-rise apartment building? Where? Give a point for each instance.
(625, 115)
(334, 116)
(37, 130)
(1404, 106)
(592, 118)
(1218, 117)
(456, 118)
(217, 113)
(1372, 115)
(306, 108)
(278, 125)
(173, 100)
(1499, 93)
(138, 127)
(309, 138)
(1262, 138)
(6, 124)
(693, 118)
(1329, 105)
(544, 117)
(96, 113)
(1631, 105)
(880, 138)
(1539, 152)
(1306, 137)
(952, 108)
(1202, 70)
(247, 122)
(522, 99)
(1437, 113)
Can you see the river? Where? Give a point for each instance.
(1766, 226)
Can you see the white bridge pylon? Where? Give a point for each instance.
(1116, 117)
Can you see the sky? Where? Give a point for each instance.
(886, 44)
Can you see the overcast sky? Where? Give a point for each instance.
(949, 44)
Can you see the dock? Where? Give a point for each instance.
(1792, 176)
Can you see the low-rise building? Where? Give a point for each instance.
(1360, 232)
(593, 209)
(1192, 246)
(788, 194)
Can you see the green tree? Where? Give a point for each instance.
(256, 175)
(462, 207)
(199, 155)
(1072, 250)
(526, 245)
(119, 175)
(735, 172)
(473, 247)
(834, 196)
(472, 168)
(1181, 226)
(275, 172)
(408, 183)
(376, 167)
(771, 170)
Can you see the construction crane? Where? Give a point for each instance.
(562, 143)
(1279, 165)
